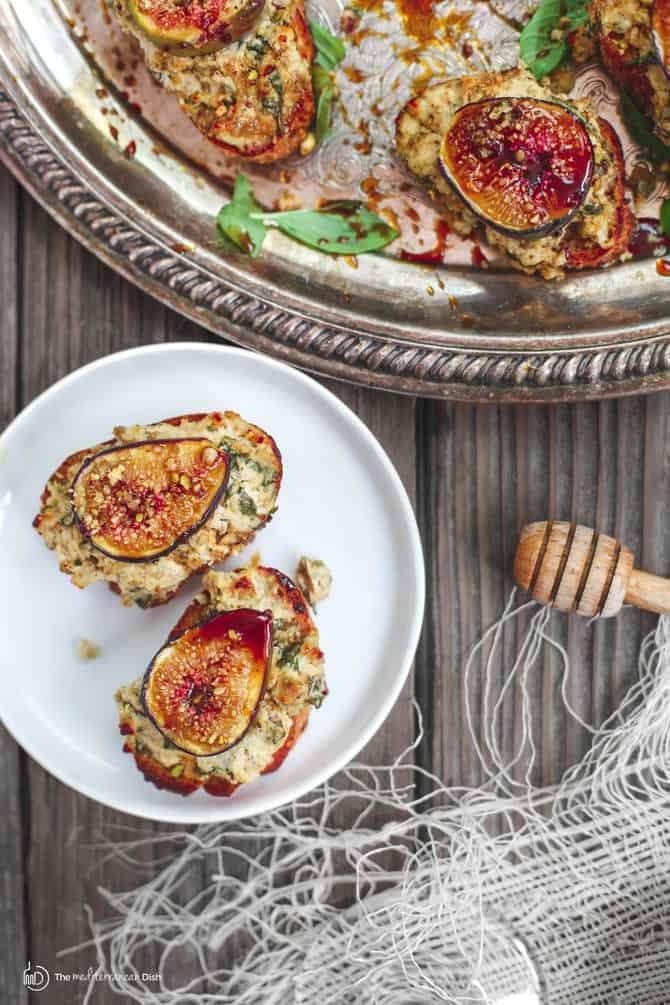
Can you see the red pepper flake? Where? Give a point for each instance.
(648, 240)
(115, 133)
(435, 254)
(101, 92)
(130, 150)
(349, 21)
(478, 258)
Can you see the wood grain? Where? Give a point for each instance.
(14, 945)
(476, 475)
(391, 418)
(79, 311)
(485, 471)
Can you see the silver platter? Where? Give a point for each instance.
(461, 333)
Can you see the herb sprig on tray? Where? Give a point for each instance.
(330, 52)
(664, 218)
(345, 227)
(641, 130)
(543, 42)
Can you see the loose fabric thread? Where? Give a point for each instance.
(507, 893)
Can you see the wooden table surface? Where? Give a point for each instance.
(475, 474)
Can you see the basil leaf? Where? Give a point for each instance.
(236, 222)
(324, 111)
(664, 217)
(641, 130)
(577, 12)
(353, 231)
(540, 52)
(330, 50)
(344, 228)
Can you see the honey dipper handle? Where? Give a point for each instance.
(652, 593)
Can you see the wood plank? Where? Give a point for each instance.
(484, 472)
(391, 418)
(13, 937)
(476, 474)
(79, 311)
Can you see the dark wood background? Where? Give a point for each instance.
(476, 475)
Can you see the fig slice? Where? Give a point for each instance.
(660, 30)
(202, 689)
(194, 27)
(139, 501)
(522, 165)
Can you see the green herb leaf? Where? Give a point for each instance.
(577, 11)
(324, 93)
(540, 52)
(289, 655)
(641, 130)
(233, 456)
(330, 51)
(315, 691)
(344, 228)
(664, 217)
(246, 503)
(235, 220)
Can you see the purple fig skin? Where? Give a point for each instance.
(528, 233)
(184, 537)
(264, 617)
(211, 41)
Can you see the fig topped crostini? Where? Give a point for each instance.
(230, 693)
(254, 97)
(147, 509)
(542, 179)
(634, 42)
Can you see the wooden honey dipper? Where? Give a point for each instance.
(573, 568)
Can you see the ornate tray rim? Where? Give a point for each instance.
(356, 356)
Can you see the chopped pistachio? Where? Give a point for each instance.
(87, 650)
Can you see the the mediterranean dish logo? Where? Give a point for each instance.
(35, 977)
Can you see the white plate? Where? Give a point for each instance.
(341, 500)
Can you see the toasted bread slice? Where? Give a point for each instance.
(295, 683)
(248, 503)
(597, 234)
(254, 97)
(625, 38)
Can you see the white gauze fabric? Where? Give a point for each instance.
(508, 893)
